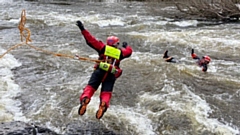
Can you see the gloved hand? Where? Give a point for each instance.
(124, 44)
(165, 55)
(80, 25)
(194, 56)
(192, 51)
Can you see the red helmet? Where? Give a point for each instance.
(112, 40)
(207, 58)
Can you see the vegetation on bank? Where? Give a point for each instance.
(217, 10)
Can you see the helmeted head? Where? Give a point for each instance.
(113, 41)
(207, 59)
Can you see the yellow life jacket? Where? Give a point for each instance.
(111, 52)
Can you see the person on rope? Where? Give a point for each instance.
(202, 62)
(106, 72)
(168, 58)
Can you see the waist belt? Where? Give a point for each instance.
(107, 67)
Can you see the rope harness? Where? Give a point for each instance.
(26, 33)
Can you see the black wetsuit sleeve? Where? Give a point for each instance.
(204, 67)
(169, 59)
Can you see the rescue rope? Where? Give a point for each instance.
(21, 28)
(26, 33)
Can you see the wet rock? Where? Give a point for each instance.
(21, 128)
(74, 128)
(90, 128)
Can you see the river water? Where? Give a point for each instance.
(152, 97)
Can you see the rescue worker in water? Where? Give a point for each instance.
(168, 58)
(106, 72)
(202, 62)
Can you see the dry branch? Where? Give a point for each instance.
(225, 10)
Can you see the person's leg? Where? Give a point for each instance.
(93, 84)
(88, 91)
(105, 95)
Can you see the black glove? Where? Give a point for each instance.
(192, 51)
(80, 25)
(165, 55)
(124, 44)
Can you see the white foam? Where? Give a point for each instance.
(112, 22)
(55, 18)
(185, 23)
(9, 109)
(134, 121)
(102, 22)
(195, 107)
(6, 1)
